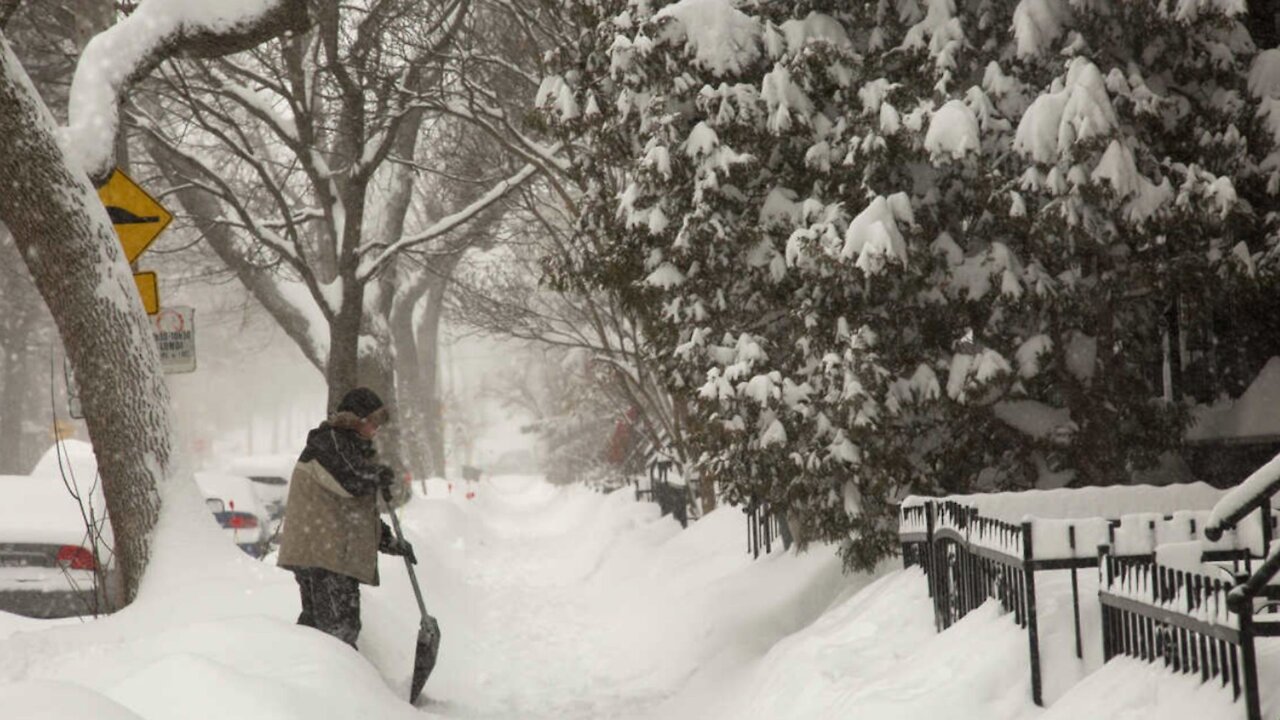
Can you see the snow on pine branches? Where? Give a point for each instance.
(820, 209)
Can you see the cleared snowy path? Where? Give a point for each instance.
(543, 646)
(578, 606)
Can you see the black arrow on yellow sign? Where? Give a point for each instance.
(120, 216)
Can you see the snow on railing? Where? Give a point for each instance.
(1192, 594)
(1086, 502)
(1255, 492)
(1194, 623)
(1060, 539)
(969, 557)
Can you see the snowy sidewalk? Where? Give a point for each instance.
(578, 606)
(543, 646)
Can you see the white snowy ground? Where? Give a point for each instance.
(560, 603)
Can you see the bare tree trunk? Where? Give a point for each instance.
(408, 376)
(376, 373)
(14, 395)
(68, 243)
(429, 351)
(343, 370)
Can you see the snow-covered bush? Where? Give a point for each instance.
(890, 248)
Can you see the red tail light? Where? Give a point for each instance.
(75, 557)
(242, 521)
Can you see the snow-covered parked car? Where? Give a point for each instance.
(50, 565)
(270, 475)
(235, 504)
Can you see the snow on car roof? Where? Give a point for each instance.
(231, 488)
(74, 456)
(41, 510)
(278, 465)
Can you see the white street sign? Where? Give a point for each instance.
(175, 333)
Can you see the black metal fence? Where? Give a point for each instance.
(765, 527)
(969, 559)
(672, 499)
(1189, 621)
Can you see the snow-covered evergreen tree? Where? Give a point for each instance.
(916, 246)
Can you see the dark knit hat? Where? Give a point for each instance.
(364, 403)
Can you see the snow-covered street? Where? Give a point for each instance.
(558, 602)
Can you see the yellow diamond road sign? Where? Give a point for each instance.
(137, 217)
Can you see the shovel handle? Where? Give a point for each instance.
(395, 525)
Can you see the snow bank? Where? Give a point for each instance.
(212, 633)
(56, 700)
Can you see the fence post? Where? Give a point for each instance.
(941, 593)
(1249, 659)
(753, 526)
(926, 559)
(1104, 584)
(1075, 591)
(971, 561)
(906, 553)
(1033, 633)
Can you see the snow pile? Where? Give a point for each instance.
(875, 656)
(211, 633)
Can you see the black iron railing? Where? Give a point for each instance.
(1186, 620)
(765, 527)
(672, 499)
(969, 559)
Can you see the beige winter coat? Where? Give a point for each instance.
(327, 527)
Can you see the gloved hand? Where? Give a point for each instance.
(386, 478)
(401, 547)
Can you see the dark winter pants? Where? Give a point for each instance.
(330, 602)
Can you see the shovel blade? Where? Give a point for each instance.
(424, 660)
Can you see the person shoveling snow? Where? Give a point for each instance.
(332, 534)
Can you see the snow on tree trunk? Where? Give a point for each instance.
(67, 241)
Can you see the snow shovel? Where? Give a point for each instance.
(428, 648)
